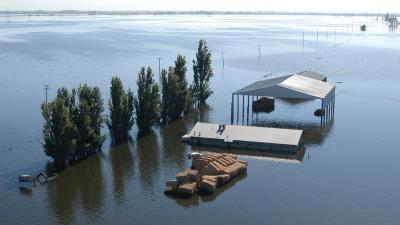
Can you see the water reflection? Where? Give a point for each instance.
(219, 191)
(122, 170)
(82, 183)
(149, 157)
(174, 149)
(186, 202)
(196, 199)
(296, 157)
(202, 114)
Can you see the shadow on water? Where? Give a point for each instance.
(122, 169)
(82, 183)
(149, 157)
(294, 101)
(313, 133)
(26, 192)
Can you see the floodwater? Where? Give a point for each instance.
(348, 173)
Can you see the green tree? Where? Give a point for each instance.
(176, 97)
(59, 130)
(184, 100)
(88, 120)
(164, 96)
(147, 101)
(121, 108)
(202, 74)
(175, 100)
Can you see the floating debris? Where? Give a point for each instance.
(264, 105)
(363, 27)
(26, 181)
(319, 112)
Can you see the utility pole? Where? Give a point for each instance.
(159, 66)
(46, 88)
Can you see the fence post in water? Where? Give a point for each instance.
(223, 61)
(303, 39)
(335, 33)
(317, 34)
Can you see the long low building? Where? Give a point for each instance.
(245, 137)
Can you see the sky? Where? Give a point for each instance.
(367, 6)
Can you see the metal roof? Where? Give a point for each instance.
(247, 133)
(292, 86)
(313, 75)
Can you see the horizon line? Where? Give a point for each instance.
(244, 12)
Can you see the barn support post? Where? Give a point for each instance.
(322, 108)
(329, 112)
(333, 108)
(248, 108)
(237, 108)
(232, 105)
(242, 109)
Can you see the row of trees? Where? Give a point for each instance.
(73, 120)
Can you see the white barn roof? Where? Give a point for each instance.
(314, 75)
(306, 86)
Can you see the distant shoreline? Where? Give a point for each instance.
(143, 12)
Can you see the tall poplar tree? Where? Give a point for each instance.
(202, 73)
(184, 95)
(147, 102)
(59, 130)
(121, 108)
(89, 120)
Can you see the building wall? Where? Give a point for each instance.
(243, 145)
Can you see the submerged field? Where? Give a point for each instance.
(346, 175)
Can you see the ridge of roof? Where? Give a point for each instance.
(301, 84)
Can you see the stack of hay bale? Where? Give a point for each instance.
(208, 172)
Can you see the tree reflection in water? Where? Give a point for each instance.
(122, 165)
(173, 149)
(82, 184)
(147, 148)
